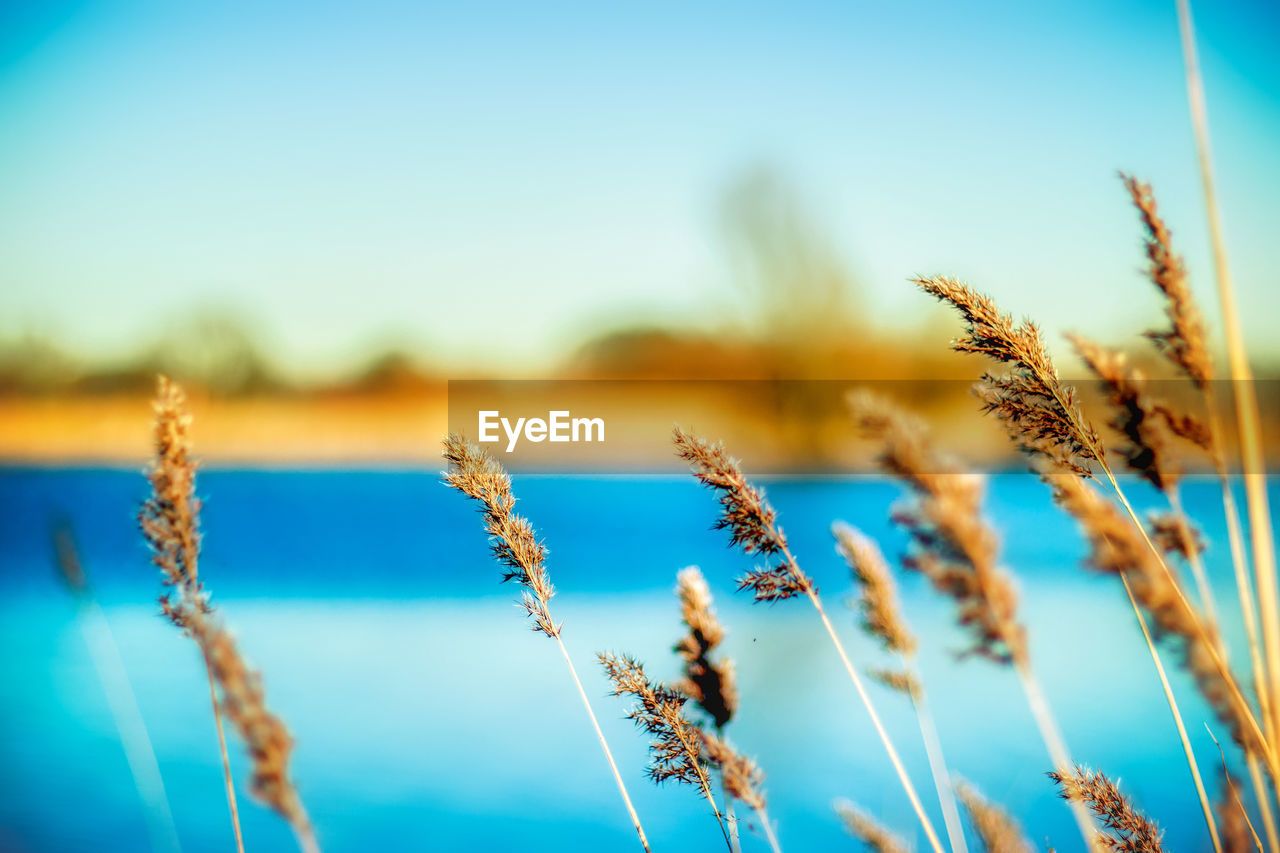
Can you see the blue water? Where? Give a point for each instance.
(428, 717)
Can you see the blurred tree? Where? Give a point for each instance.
(215, 350)
(799, 291)
(34, 363)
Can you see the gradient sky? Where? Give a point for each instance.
(487, 181)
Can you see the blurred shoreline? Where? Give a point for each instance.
(796, 427)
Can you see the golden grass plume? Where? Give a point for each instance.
(995, 828)
(708, 682)
(170, 522)
(1124, 828)
(750, 520)
(877, 601)
(951, 542)
(511, 537)
(861, 825)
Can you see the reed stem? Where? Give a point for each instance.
(1210, 644)
(1195, 561)
(731, 818)
(929, 831)
(226, 761)
(1055, 744)
(123, 703)
(1177, 719)
(1247, 419)
(1264, 801)
(767, 826)
(937, 763)
(604, 744)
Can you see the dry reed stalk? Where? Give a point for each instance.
(865, 828)
(1042, 415)
(1238, 834)
(1124, 827)
(515, 545)
(997, 830)
(882, 618)
(676, 753)
(1248, 421)
(121, 699)
(1233, 817)
(957, 550)
(752, 526)
(1259, 783)
(1117, 549)
(170, 522)
(1187, 751)
(1184, 343)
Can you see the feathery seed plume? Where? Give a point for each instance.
(952, 544)
(1040, 413)
(898, 680)
(709, 683)
(878, 595)
(1125, 829)
(995, 827)
(678, 749)
(515, 545)
(512, 538)
(170, 522)
(1184, 341)
(1167, 532)
(750, 520)
(742, 778)
(862, 826)
(1144, 423)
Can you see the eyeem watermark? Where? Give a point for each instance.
(559, 426)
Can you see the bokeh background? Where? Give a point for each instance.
(316, 215)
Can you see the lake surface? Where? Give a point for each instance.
(428, 717)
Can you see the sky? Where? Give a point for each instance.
(488, 183)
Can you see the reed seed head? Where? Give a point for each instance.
(265, 735)
(709, 683)
(750, 520)
(995, 828)
(1144, 423)
(170, 521)
(1184, 342)
(1125, 829)
(170, 517)
(951, 542)
(675, 753)
(67, 557)
(1039, 412)
(862, 826)
(898, 680)
(743, 779)
(1167, 530)
(512, 539)
(877, 601)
